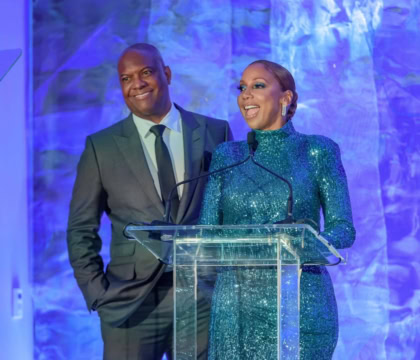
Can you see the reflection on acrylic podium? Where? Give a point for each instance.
(199, 254)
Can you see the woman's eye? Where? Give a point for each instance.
(259, 86)
(241, 88)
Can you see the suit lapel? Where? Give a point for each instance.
(194, 135)
(132, 150)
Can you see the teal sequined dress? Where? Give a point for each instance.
(241, 323)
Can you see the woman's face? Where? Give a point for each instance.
(261, 98)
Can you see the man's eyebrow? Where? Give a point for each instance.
(142, 69)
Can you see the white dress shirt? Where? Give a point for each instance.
(172, 136)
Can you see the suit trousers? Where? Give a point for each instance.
(148, 333)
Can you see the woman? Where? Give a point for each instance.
(245, 328)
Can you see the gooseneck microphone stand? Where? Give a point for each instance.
(252, 145)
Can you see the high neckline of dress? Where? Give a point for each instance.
(266, 135)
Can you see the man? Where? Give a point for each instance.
(125, 171)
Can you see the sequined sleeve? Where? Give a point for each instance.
(211, 212)
(334, 195)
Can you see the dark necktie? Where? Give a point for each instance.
(165, 170)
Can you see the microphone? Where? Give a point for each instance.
(252, 142)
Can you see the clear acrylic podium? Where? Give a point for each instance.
(200, 253)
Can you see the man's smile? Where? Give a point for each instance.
(143, 96)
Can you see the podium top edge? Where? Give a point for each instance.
(219, 227)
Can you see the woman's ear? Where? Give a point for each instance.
(287, 97)
(285, 101)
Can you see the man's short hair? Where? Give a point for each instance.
(145, 47)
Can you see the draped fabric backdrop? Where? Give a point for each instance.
(356, 66)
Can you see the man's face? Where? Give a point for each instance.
(144, 82)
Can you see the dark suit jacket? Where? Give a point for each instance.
(113, 176)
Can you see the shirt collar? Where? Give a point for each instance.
(172, 120)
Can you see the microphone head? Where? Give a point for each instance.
(250, 137)
(252, 142)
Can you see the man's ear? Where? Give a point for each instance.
(168, 74)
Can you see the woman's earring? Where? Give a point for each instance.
(283, 110)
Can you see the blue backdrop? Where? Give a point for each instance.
(356, 66)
